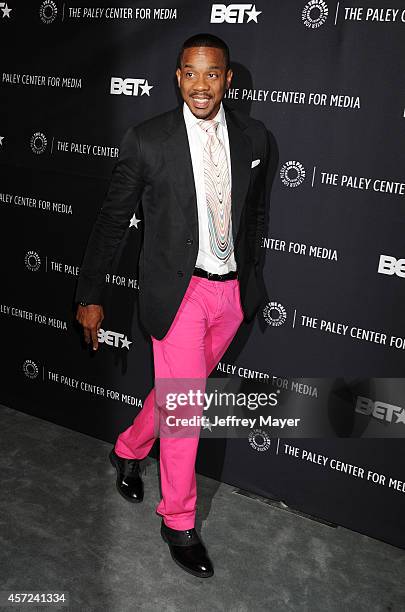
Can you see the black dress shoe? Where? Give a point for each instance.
(188, 551)
(129, 482)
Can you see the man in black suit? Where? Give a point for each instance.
(201, 172)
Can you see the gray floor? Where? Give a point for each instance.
(64, 527)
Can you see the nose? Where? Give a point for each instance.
(201, 84)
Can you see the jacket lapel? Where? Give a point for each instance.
(241, 158)
(178, 159)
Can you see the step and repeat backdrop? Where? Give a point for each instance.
(326, 79)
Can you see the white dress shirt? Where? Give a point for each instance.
(197, 139)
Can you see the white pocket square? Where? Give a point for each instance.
(255, 162)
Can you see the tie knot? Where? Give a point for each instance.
(209, 126)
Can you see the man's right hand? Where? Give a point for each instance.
(90, 317)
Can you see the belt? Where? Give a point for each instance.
(217, 277)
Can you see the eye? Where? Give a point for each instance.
(187, 73)
(213, 74)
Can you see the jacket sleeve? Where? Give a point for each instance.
(256, 220)
(124, 192)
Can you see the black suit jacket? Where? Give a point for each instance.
(154, 166)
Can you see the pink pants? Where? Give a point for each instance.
(204, 326)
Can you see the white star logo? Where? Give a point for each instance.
(125, 343)
(6, 11)
(1, 140)
(205, 422)
(253, 14)
(134, 222)
(146, 88)
(400, 416)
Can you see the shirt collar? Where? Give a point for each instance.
(192, 120)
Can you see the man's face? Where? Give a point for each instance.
(203, 80)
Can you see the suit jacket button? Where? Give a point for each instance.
(189, 241)
(179, 273)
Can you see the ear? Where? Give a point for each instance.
(229, 76)
(178, 75)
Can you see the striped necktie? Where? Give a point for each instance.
(218, 192)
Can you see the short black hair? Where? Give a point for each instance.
(205, 40)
